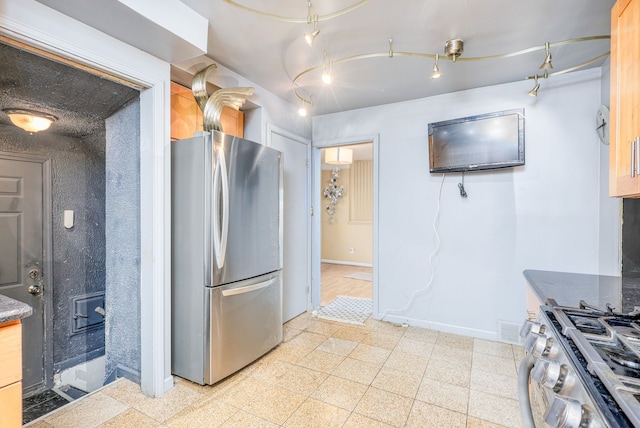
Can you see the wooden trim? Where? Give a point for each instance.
(57, 58)
(8, 323)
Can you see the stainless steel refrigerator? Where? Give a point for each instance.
(226, 236)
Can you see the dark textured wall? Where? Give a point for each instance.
(122, 334)
(631, 237)
(78, 183)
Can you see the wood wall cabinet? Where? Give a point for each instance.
(11, 374)
(186, 116)
(624, 151)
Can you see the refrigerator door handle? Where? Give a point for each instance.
(248, 288)
(220, 236)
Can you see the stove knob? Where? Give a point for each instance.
(538, 345)
(550, 374)
(531, 327)
(565, 413)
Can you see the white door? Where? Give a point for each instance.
(296, 270)
(22, 276)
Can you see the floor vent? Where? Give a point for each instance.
(509, 332)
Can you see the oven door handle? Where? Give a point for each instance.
(524, 399)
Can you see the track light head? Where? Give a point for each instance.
(534, 91)
(436, 70)
(546, 65)
(311, 37)
(327, 76)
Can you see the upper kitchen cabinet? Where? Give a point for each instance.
(624, 161)
(186, 116)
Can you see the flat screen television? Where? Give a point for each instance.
(486, 141)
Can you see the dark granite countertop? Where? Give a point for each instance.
(11, 309)
(598, 290)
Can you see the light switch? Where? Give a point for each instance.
(68, 219)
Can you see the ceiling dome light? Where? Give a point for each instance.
(302, 111)
(338, 156)
(327, 77)
(30, 121)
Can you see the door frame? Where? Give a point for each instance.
(47, 262)
(273, 129)
(316, 251)
(40, 27)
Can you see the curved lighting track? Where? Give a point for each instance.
(297, 20)
(392, 54)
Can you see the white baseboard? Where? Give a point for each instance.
(87, 376)
(445, 328)
(341, 262)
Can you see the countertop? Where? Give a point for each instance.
(568, 289)
(11, 309)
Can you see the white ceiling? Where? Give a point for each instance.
(271, 53)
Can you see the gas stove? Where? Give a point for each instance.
(584, 363)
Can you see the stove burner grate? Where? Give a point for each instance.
(589, 325)
(624, 358)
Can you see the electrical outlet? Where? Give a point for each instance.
(352, 250)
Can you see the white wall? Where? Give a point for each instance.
(610, 231)
(544, 215)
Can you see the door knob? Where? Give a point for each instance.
(35, 289)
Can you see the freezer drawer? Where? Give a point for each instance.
(245, 323)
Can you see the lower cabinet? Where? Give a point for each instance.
(11, 374)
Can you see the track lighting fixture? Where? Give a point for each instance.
(453, 48)
(546, 65)
(452, 52)
(326, 70)
(534, 91)
(302, 110)
(436, 70)
(311, 37)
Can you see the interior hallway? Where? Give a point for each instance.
(333, 282)
(328, 374)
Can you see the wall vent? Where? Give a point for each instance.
(509, 332)
(87, 312)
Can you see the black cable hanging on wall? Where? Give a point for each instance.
(463, 193)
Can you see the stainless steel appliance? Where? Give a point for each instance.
(226, 254)
(583, 366)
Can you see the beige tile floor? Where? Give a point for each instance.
(328, 374)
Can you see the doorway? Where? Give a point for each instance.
(25, 231)
(62, 172)
(346, 229)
